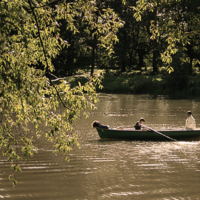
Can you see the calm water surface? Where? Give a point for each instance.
(105, 169)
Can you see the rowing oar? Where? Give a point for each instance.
(158, 132)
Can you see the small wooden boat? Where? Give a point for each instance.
(133, 134)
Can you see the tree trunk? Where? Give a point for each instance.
(123, 68)
(190, 53)
(93, 60)
(155, 62)
(141, 57)
(130, 59)
(190, 66)
(123, 55)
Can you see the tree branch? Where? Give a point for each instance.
(54, 80)
(36, 20)
(57, 79)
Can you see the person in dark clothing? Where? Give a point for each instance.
(138, 124)
(97, 124)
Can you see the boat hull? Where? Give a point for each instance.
(146, 135)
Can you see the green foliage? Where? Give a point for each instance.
(97, 26)
(30, 37)
(177, 22)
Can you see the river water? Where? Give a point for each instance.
(108, 169)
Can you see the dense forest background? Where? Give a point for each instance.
(143, 35)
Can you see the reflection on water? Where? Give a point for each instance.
(115, 169)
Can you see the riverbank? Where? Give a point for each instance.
(177, 86)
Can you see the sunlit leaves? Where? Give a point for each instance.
(176, 22)
(29, 39)
(101, 25)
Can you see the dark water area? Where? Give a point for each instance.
(107, 169)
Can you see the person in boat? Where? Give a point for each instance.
(96, 124)
(190, 121)
(138, 124)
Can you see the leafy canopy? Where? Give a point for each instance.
(177, 22)
(30, 37)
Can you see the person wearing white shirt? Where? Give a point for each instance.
(190, 121)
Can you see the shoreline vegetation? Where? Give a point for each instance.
(172, 85)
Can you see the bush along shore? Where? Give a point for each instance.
(177, 86)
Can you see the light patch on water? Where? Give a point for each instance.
(126, 193)
(166, 191)
(117, 115)
(168, 147)
(133, 185)
(103, 160)
(35, 167)
(150, 165)
(188, 143)
(5, 196)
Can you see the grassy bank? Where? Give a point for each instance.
(172, 85)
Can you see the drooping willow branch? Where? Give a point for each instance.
(37, 24)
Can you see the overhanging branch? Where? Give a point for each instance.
(37, 24)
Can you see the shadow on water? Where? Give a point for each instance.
(188, 139)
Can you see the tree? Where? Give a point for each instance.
(97, 26)
(30, 37)
(125, 49)
(134, 38)
(177, 22)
